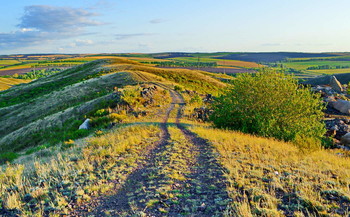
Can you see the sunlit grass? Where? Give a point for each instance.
(83, 170)
(270, 169)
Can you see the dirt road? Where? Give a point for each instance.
(181, 176)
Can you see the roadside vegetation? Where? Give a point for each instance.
(273, 178)
(57, 179)
(271, 104)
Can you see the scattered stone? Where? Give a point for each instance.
(208, 98)
(341, 105)
(345, 139)
(335, 84)
(202, 207)
(202, 114)
(85, 125)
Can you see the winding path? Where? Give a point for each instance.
(180, 176)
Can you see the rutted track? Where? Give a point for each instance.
(180, 177)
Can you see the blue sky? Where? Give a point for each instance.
(98, 26)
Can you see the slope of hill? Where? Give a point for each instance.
(37, 112)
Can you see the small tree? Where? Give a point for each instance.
(271, 104)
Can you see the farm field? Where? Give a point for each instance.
(6, 83)
(8, 62)
(220, 62)
(330, 71)
(20, 64)
(305, 64)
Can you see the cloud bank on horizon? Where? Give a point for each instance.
(184, 25)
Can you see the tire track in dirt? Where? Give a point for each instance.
(209, 182)
(119, 201)
(207, 177)
(180, 177)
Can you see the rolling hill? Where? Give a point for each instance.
(146, 153)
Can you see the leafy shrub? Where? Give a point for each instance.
(37, 148)
(100, 113)
(100, 121)
(133, 97)
(7, 157)
(78, 133)
(271, 104)
(177, 88)
(196, 99)
(117, 117)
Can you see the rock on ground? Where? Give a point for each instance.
(335, 84)
(85, 125)
(341, 105)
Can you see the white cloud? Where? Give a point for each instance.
(41, 24)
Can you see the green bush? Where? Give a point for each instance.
(178, 88)
(117, 117)
(196, 99)
(7, 157)
(132, 97)
(271, 104)
(37, 148)
(100, 113)
(101, 121)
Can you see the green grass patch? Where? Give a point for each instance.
(8, 157)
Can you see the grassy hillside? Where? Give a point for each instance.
(50, 109)
(30, 113)
(203, 82)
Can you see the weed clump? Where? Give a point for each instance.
(271, 104)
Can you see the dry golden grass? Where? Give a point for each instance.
(275, 178)
(83, 170)
(6, 83)
(192, 79)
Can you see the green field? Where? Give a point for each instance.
(306, 64)
(330, 71)
(8, 62)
